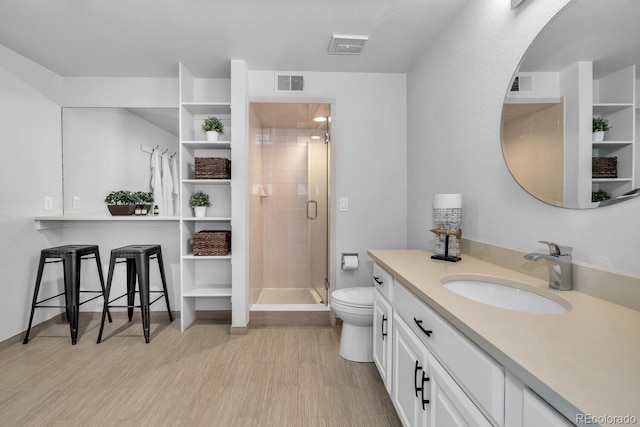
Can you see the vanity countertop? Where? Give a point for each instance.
(583, 361)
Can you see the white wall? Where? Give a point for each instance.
(369, 156)
(455, 96)
(30, 169)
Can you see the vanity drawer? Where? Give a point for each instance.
(476, 372)
(382, 281)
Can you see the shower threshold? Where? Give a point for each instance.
(290, 307)
(289, 299)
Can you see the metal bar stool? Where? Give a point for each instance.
(71, 257)
(137, 258)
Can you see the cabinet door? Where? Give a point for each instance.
(382, 333)
(449, 406)
(537, 412)
(410, 384)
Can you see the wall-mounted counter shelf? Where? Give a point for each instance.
(55, 221)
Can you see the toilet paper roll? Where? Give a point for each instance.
(350, 262)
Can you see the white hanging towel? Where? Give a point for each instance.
(167, 187)
(156, 181)
(176, 184)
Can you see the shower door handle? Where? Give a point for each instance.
(315, 209)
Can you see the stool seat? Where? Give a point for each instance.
(71, 257)
(137, 259)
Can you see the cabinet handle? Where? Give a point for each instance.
(425, 378)
(425, 331)
(415, 378)
(384, 319)
(420, 389)
(378, 281)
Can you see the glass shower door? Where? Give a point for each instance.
(318, 214)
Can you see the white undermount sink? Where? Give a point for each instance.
(506, 294)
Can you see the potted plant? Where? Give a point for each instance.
(121, 202)
(213, 126)
(143, 201)
(199, 201)
(600, 196)
(144, 198)
(600, 126)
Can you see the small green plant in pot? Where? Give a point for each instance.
(600, 126)
(121, 202)
(600, 196)
(213, 126)
(199, 201)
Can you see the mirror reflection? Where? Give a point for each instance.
(579, 72)
(109, 149)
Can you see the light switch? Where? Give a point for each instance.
(344, 204)
(48, 203)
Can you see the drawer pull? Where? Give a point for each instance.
(425, 331)
(415, 378)
(421, 387)
(378, 281)
(425, 378)
(384, 320)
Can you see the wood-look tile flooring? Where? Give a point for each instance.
(273, 376)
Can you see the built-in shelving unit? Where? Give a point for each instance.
(203, 278)
(614, 100)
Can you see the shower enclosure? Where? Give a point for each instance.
(289, 203)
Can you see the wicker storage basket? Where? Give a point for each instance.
(211, 242)
(212, 168)
(604, 167)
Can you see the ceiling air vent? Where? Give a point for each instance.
(347, 45)
(289, 83)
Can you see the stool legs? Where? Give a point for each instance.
(107, 291)
(71, 289)
(164, 284)
(35, 297)
(143, 282)
(131, 286)
(99, 266)
(137, 260)
(71, 257)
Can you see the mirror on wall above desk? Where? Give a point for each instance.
(582, 65)
(107, 149)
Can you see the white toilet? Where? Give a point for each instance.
(355, 307)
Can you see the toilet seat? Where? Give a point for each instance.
(360, 297)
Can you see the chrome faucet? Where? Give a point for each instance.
(560, 272)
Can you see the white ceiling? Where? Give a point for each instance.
(604, 32)
(147, 38)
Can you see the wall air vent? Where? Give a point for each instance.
(286, 82)
(522, 83)
(347, 45)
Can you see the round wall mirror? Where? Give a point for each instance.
(579, 76)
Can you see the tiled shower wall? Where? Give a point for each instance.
(534, 146)
(284, 211)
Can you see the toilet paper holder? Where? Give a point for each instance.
(347, 255)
